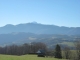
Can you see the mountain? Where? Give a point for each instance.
(39, 29)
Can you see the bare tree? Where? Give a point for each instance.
(35, 46)
(67, 52)
(23, 49)
(77, 45)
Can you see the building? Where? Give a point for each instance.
(41, 53)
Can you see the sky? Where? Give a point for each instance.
(53, 12)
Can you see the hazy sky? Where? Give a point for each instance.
(57, 12)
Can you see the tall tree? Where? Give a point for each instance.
(58, 53)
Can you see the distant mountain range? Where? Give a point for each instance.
(39, 29)
(35, 32)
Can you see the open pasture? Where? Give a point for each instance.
(25, 57)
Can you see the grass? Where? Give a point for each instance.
(71, 44)
(25, 57)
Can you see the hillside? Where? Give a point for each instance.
(49, 39)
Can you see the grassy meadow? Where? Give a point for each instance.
(26, 57)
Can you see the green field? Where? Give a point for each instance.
(25, 57)
(71, 44)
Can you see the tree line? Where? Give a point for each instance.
(22, 49)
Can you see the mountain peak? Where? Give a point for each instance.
(34, 22)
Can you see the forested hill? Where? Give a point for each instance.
(39, 29)
(49, 39)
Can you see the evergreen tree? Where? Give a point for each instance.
(58, 52)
